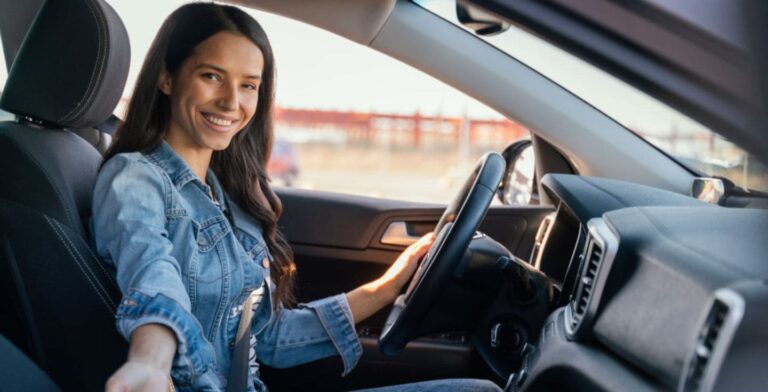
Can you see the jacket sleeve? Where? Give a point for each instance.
(129, 230)
(309, 332)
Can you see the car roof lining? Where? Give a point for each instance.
(360, 22)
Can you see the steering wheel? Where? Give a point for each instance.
(454, 230)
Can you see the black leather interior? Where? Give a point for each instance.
(59, 299)
(71, 69)
(19, 374)
(50, 170)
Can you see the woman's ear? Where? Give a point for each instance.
(165, 82)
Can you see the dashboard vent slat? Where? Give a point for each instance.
(709, 350)
(585, 285)
(595, 262)
(705, 344)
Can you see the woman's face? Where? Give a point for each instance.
(214, 94)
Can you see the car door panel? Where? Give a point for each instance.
(342, 223)
(337, 243)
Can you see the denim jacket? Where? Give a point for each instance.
(182, 263)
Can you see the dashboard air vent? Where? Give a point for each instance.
(705, 343)
(595, 264)
(713, 338)
(586, 284)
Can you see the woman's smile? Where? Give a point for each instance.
(219, 123)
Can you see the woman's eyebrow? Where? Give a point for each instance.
(222, 70)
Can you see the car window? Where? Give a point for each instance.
(689, 142)
(352, 120)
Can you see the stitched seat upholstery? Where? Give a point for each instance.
(58, 298)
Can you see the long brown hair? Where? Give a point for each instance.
(241, 167)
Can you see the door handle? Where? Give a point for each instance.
(397, 234)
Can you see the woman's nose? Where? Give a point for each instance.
(228, 98)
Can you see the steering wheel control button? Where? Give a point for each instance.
(516, 380)
(507, 337)
(495, 338)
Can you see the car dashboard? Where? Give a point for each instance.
(659, 291)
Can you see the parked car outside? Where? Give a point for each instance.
(283, 164)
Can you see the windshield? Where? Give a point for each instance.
(689, 142)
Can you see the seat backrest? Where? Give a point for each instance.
(19, 374)
(58, 298)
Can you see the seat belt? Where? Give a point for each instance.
(238, 369)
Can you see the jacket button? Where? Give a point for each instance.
(265, 263)
(202, 242)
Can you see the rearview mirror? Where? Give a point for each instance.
(480, 21)
(518, 187)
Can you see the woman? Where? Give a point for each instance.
(184, 212)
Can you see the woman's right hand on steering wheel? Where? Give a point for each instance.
(401, 271)
(369, 298)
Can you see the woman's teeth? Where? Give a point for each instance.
(218, 121)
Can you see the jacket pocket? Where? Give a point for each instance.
(210, 263)
(210, 232)
(254, 247)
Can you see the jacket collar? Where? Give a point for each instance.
(177, 169)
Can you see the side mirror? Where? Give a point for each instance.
(518, 187)
(713, 190)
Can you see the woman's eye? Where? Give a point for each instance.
(250, 87)
(211, 76)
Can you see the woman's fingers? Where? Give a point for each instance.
(137, 377)
(420, 247)
(425, 241)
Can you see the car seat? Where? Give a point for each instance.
(58, 299)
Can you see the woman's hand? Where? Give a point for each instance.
(400, 272)
(149, 361)
(370, 298)
(139, 377)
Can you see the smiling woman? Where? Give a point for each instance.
(196, 105)
(173, 91)
(183, 211)
(214, 95)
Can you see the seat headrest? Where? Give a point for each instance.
(71, 68)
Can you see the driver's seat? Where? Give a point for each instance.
(58, 300)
